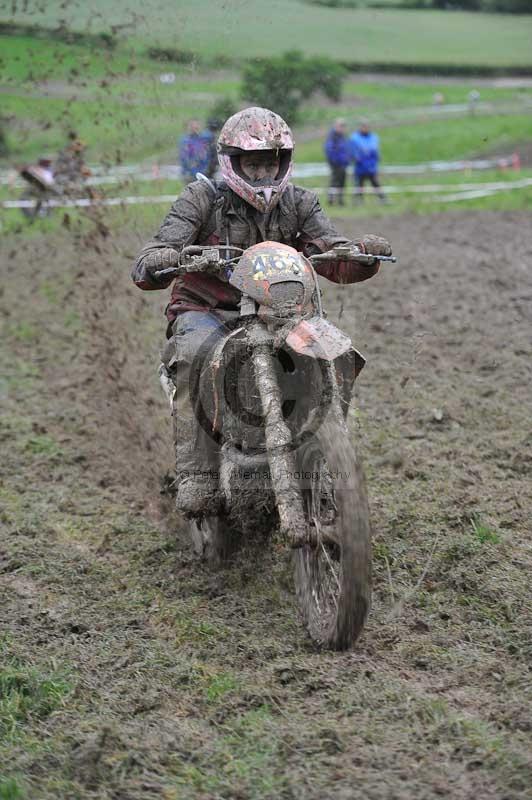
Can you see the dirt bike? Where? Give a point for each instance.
(273, 393)
(40, 189)
(44, 189)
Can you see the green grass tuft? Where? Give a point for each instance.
(482, 531)
(43, 445)
(10, 789)
(28, 694)
(246, 758)
(219, 686)
(24, 332)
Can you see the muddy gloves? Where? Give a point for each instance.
(160, 259)
(143, 272)
(375, 245)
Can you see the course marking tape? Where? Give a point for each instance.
(465, 191)
(142, 172)
(83, 202)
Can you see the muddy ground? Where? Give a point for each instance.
(129, 671)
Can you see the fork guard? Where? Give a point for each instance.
(318, 338)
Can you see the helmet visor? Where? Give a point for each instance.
(261, 168)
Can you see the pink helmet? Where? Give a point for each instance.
(247, 131)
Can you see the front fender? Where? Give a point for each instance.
(318, 338)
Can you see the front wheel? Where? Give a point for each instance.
(333, 575)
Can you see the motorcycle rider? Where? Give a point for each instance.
(254, 202)
(70, 170)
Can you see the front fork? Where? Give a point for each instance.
(279, 443)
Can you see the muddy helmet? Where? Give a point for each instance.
(247, 131)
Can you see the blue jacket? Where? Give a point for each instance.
(365, 152)
(337, 149)
(194, 152)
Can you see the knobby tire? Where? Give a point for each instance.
(333, 576)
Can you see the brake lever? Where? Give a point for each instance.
(371, 258)
(347, 254)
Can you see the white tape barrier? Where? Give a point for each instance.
(473, 195)
(484, 190)
(317, 169)
(140, 172)
(83, 202)
(464, 191)
(432, 188)
(508, 162)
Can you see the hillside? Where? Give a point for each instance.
(233, 28)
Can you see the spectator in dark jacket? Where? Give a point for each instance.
(210, 133)
(338, 155)
(194, 151)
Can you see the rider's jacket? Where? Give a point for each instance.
(213, 214)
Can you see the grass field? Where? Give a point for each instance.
(115, 101)
(237, 29)
(120, 108)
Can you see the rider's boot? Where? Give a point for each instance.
(197, 467)
(198, 494)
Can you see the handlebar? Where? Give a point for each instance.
(195, 264)
(200, 249)
(199, 258)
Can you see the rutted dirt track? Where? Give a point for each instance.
(128, 671)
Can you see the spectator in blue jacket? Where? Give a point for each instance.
(338, 156)
(194, 151)
(365, 154)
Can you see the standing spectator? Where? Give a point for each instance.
(194, 151)
(365, 154)
(211, 135)
(337, 153)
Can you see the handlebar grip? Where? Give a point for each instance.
(169, 272)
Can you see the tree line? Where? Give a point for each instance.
(498, 6)
(502, 6)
